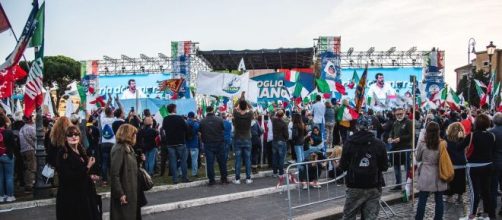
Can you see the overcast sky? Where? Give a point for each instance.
(89, 29)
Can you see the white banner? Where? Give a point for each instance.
(226, 84)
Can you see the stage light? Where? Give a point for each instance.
(413, 62)
(142, 69)
(351, 62)
(107, 70)
(410, 51)
(350, 51)
(163, 56)
(161, 67)
(370, 51)
(123, 69)
(372, 62)
(390, 51)
(393, 62)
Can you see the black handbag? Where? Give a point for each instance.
(144, 180)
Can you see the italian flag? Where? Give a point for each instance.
(346, 113)
(354, 80)
(453, 100)
(482, 95)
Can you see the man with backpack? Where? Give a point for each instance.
(364, 158)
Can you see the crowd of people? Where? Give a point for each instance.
(110, 150)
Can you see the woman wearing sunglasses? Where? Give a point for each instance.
(76, 196)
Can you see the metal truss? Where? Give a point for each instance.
(147, 65)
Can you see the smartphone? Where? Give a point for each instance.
(132, 109)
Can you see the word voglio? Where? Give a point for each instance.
(272, 89)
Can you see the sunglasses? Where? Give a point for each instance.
(73, 135)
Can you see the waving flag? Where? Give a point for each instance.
(354, 80)
(33, 88)
(482, 95)
(22, 43)
(453, 100)
(4, 21)
(346, 113)
(359, 95)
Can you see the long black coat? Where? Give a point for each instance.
(76, 197)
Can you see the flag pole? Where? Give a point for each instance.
(413, 79)
(13, 33)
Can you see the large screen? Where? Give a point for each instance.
(146, 85)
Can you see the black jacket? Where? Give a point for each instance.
(361, 141)
(8, 142)
(175, 128)
(298, 136)
(280, 129)
(497, 157)
(211, 129)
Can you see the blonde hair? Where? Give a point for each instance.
(58, 131)
(126, 135)
(455, 132)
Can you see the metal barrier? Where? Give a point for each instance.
(320, 181)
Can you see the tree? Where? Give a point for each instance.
(61, 70)
(463, 86)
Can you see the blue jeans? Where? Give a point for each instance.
(194, 154)
(106, 149)
(216, 150)
(6, 176)
(313, 149)
(178, 152)
(300, 157)
(242, 149)
(422, 201)
(226, 148)
(151, 156)
(278, 156)
(397, 161)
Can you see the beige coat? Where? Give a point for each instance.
(428, 170)
(124, 181)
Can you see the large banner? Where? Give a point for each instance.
(226, 84)
(330, 49)
(146, 84)
(433, 71)
(397, 78)
(180, 53)
(272, 87)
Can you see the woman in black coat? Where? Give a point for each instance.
(457, 143)
(76, 196)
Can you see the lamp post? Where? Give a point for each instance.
(490, 50)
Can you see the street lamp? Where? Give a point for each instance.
(490, 50)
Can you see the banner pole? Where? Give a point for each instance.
(414, 80)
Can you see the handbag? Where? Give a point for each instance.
(446, 171)
(144, 180)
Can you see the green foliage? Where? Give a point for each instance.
(463, 86)
(61, 70)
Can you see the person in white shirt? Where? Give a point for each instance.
(381, 89)
(318, 110)
(130, 93)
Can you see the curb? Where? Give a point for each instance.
(148, 210)
(337, 212)
(52, 201)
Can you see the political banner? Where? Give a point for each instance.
(273, 87)
(330, 66)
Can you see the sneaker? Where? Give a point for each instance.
(224, 181)
(249, 181)
(186, 181)
(211, 183)
(317, 186)
(2, 199)
(10, 199)
(275, 175)
(237, 182)
(305, 186)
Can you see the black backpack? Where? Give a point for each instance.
(363, 168)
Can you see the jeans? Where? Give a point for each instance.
(329, 134)
(364, 201)
(106, 149)
(227, 145)
(422, 201)
(300, 157)
(242, 149)
(256, 154)
(163, 159)
(194, 155)
(313, 149)
(6, 176)
(279, 154)
(178, 152)
(397, 161)
(323, 134)
(151, 156)
(216, 151)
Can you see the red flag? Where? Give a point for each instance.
(340, 88)
(33, 88)
(100, 101)
(7, 79)
(4, 21)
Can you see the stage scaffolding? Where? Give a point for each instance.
(162, 63)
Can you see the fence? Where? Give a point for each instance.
(320, 181)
